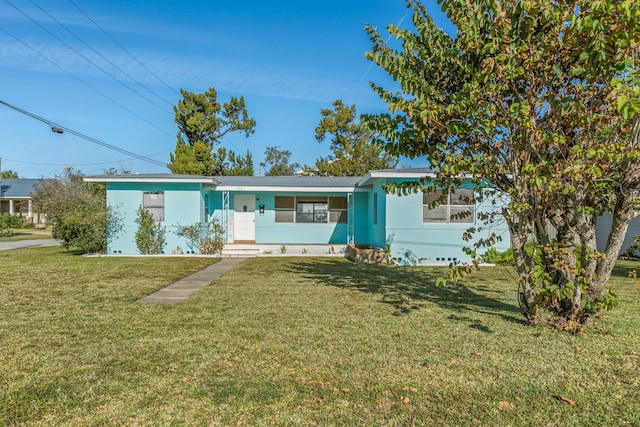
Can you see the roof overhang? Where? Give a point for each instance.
(288, 189)
(373, 176)
(169, 179)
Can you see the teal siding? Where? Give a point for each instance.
(182, 206)
(379, 219)
(362, 217)
(268, 231)
(412, 240)
(378, 206)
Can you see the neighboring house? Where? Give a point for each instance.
(302, 211)
(15, 198)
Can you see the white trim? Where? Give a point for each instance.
(134, 179)
(258, 188)
(373, 176)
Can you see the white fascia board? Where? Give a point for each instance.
(258, 189)
(392, 174)
(374, 176)
(151, 180)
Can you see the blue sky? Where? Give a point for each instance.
(288, 59)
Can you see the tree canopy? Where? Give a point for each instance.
(78, 211)
(536, 100)
(202, 123)
(353, 152)
(277, 162)
(8, 174)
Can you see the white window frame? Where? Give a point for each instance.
(320, 209)
(153, 202)
(442, 213)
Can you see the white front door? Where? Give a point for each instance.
(244, 218)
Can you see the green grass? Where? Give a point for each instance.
(28, 234)
(299, 341)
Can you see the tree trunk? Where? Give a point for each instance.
(623, 213)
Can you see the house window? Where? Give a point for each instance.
(153, 202)
(311, 210)
(206, 208)
(458, 208)
(338, 208)
(285, 209)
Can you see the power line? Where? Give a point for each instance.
(59, 128)
(83, 82)
(124, 49)
(100, 55)
(85, 58)
(78, 164)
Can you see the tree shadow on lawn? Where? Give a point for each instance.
(408, 288)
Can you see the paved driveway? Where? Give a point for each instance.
(21, 244)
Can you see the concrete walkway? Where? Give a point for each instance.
(183, 289)
(22, 244)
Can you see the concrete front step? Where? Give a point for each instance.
(243, 249)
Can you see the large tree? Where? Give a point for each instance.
(536, 100)
(277, 162)
(78, 211)
(202, 123)
(353, 152)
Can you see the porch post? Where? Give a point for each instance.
(11, 206)
(225, 215)
(350, 218)
(30, 212)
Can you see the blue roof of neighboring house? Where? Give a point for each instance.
(17, 188)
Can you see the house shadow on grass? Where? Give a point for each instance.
(408, 288)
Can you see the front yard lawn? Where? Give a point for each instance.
(27, 234)
(299, 341)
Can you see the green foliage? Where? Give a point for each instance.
(78, 211)
(354, 154)
(202, 123)
(457, 271)
(7, 223)
(634, 250)
(206, 237)
(150, 236)
(239, 165)
(9, 174)
(493, 256)
(276, 162)
(537, 101)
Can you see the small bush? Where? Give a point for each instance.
(150, 235)
(206, 237)
(499, 258)
(9, 222)
(634, 249)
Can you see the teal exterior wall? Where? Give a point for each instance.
(362, 214)
(183, 205)
(378, 219)
(268, 231)
(413, 240)
(378, 216)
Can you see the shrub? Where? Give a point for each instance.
(206, 237)
(150, 235)
(499, 258)
(7, 223)
(78, 211)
